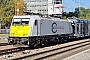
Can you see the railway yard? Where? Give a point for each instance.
(63, 51)
(50, 39)
(42, 30)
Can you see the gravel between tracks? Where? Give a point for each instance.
(85, 55)
(15, 55)
(6, 47)
(49, 48)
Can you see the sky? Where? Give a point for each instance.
(70, 5)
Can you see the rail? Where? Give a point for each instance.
(53, 51)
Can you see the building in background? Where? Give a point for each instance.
(49, 7)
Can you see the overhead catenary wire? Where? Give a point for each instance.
(65, 7)
(81, 3)
(71, 4)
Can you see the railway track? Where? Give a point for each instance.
(4, 44)
(8, 51)
(47, 52)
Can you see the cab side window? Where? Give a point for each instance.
(36, 22)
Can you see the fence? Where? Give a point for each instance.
(4, 31)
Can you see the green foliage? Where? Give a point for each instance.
(83, 13)
(24, 6)
(6, 11)
(64, 17)
(88, 15)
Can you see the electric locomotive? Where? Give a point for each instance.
(32, 30)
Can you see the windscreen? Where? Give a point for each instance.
(16, 22)
(23, 21)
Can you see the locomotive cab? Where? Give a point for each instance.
(21, 28)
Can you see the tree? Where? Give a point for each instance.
(7, 10)
(83, 13)
(88, 15)
(64, 17)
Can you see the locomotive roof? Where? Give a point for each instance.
(36, 17)
(25, 16)
(53, 18)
